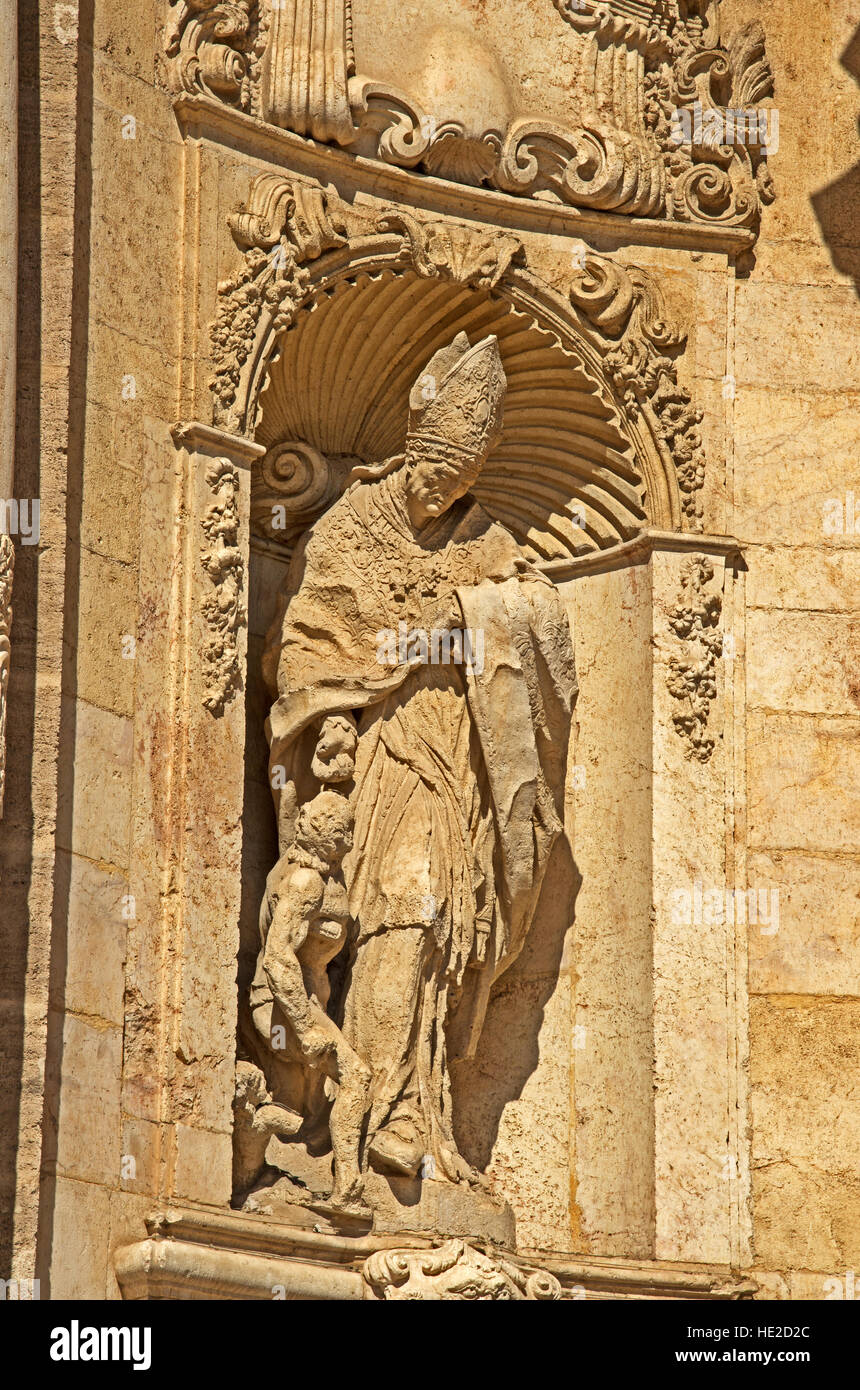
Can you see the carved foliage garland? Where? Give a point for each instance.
(625, 304)
(692, 679)
(222, 608)
(7, 565)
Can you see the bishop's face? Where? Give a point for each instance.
(433, 484)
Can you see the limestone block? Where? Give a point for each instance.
(803, 663)
(814, 948)
(88, 1112)
(803, 782)
(203, 1163)
(108, 619)
(98, 926)
(101, 806)
(80, 1240)
(806, 1129)
(823, 580)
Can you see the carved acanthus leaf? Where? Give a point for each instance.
(453, 251)
(692, 679)
(626, 306)
(222, 609)
(455, 1271)
(216, 46)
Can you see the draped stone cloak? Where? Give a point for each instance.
(460, 770)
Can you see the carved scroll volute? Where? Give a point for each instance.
(294, 485)
(306, 68)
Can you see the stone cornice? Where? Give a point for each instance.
(639, 551)
(203, 118)
(217, 1254)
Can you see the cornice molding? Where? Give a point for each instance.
(202, 118)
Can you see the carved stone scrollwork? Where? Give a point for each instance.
(703, 109)
(284, 225)
(222, 561)
(455, 1271)
(7, 565)
(691, 680)
(626, 305)
(215, 46)
(296, 484)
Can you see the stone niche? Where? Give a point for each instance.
(598, 1103)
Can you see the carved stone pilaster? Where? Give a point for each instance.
(692, 678)
(7, 565)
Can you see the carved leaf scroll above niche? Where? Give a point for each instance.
(652, 114)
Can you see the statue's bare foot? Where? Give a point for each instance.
(347, 1197)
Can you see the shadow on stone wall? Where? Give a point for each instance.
(836, 206)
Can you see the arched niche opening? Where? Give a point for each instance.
(567, 478)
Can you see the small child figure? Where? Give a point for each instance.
(307, 930)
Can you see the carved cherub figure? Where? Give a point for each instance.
(308, 928)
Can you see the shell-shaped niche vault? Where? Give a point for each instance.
(563, 478)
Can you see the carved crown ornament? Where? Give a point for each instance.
(327, 293)
(666, 119)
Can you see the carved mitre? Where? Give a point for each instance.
(455, 406)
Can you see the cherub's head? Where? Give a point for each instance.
(334, 755)
(324, 827)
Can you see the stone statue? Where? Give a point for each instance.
(443, 656)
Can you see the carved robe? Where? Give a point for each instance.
(458, 782)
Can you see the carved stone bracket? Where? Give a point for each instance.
(216, 47)
(691, 679)
(626, 306)
(455, 1271)
(222, 561)
(7, 565)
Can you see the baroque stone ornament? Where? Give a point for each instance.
(412, 849)
(7, 565)
(215, 47)
(455, 1271)
(668, 117)
(284, 225)
(692, 679)
(626, 305)
(222, 561)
